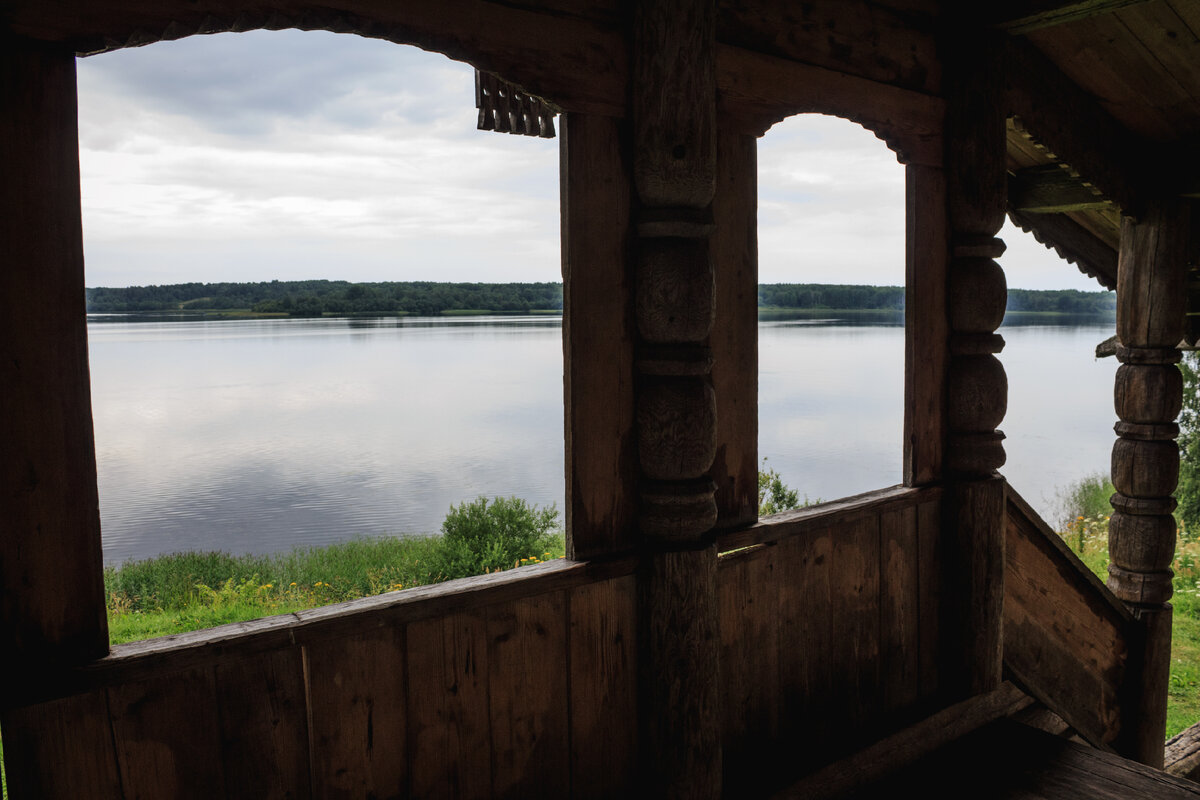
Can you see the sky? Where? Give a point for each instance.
(294, 155)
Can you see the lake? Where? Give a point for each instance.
(258, 435)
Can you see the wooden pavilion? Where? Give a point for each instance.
(686, 648)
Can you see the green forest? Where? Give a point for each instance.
(317, 297)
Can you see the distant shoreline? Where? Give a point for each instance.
(324, 298)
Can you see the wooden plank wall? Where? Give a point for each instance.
(828, 637)
(1070, 653)
(526, 697)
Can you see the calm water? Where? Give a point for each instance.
(254, 436)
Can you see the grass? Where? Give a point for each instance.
(190, 591)
(1083, 525)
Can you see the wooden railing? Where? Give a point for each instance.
(829, 631)
(525, 683)
(1066, 638)
(521, 684)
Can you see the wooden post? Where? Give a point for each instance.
(674, 168)
(977, 388)
(51, 583)
(598, 278)
(1151, 298)
(734, 336)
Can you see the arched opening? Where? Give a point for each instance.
(312, 413)
(831, 347)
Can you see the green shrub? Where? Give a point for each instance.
(775, 496)
(487, 536)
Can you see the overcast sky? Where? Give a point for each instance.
(289, 155)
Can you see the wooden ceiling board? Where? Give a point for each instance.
(1101, 56)
(1175, 48)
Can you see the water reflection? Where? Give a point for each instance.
(255, 435)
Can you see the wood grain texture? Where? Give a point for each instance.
(900, 613)
(358, 715)
(866, 40)
(926, 324)
(748, 591)
(807, 705)
(61, 750)
(854, 605)
(1152, 275)
(674, 102)
(1144, 694)
(264, 726)
(580, 64)
(51, 586)
(597, 317)
(527, 692)
(167, 732)
(679, 662)
(449, 734)
(1065, 637)
(734, 337)
(930, 535)
(1072, 124)
(1182, 755)
(757, 90)
(973, 575)
(603, 663)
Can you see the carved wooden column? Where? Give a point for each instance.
(674, 121)
(977, 388)
(1151, 298)
(51, 584)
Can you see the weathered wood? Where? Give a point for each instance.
(358, 715)
(1051, 190)
(926, 325)
(597, 316)
(1144, 710)
(167, 734)
(680, 700)
(734, 337)
(758, 90)
(1182, 755)
(929, 569)
(1066, 638)
(603, 663)
(900, 621)
(51, 586)
(1032, 15)
(674, 111)
(856, 38)
(807, 706)
(973, 575)
(449, 741)
(748, 592)
(527, 698)
(264, 726)
(901, 749)
(805, 521)
(140, 660)
(579, 64)
(62, 749)
(1072, 124)
(854, 605)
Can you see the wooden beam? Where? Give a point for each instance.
(1051, 189)
(579, 64)
(51, 582)
(1077, 129)
(1032, 15)
(601, 495)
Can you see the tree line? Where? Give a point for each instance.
(316, 297)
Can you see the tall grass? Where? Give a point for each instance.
(1083, 525)
(189, 591)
